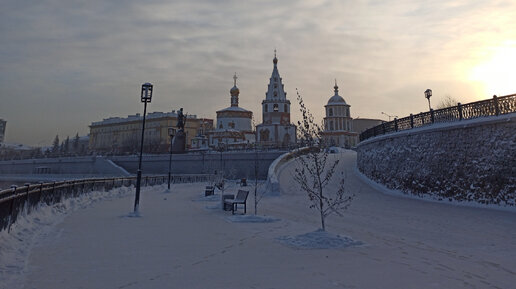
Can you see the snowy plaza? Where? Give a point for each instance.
(183, 239)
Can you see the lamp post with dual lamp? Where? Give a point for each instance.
(389, 116)
(146, 96)
(171, 133)
(428, 94)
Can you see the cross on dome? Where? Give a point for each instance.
(235, 78)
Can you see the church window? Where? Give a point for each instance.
(285, 108)
(231, 125)
(266, 108)
(275, 93)
(275, 85)
(331, 125)
(330, 111)
(275, 107)
(275, 79)
(264, 135)
(220, 125)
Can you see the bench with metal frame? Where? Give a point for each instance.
(210, 190)
(240, 198)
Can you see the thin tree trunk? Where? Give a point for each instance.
(322, 219)
(255, 201)
(321, 204)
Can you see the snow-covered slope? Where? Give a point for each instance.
(181, 240)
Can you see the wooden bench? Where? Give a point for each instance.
(241, 198)
(210, 190)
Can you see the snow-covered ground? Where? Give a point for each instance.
(182, 240)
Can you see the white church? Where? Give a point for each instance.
(338, 124)
(234, 128)
(275, 129)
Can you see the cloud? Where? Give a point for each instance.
(82, 61)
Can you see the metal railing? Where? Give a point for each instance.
(490, 107)
(25, 198)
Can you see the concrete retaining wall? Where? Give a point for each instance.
(235, 164)
(467, 160)
(55, 166)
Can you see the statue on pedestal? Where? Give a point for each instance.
(181, 120)
(179, 144)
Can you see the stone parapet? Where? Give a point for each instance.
(472, 160)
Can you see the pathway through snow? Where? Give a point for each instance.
(180, 241)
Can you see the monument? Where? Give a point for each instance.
(179, 140)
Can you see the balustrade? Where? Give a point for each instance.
(15, 200)
(491, 107)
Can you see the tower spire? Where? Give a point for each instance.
(234, 91)
(336, 87)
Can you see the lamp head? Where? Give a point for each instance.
(428, 93)
(146, 94)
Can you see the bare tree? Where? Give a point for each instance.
(316, 170)
(257, 195)
(256, 170)
(447, 101)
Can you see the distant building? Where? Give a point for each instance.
(3, 123)
(123, 135)
(201, 141)
(276, 129)
(338, 124)
(234, 124)
(362, 124)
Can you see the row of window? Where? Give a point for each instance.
(339, 124)
(230, 125)
(275, 107)
(339, 111)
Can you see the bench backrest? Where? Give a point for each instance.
(241, 196)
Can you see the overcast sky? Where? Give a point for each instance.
(65, 64)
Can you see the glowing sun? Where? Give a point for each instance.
(497, 72)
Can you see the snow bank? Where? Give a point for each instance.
(318, 240)
(41, 223)
(251, 219)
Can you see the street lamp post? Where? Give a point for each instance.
(146, 96)
(428, 94)
(222, 167)
(171, 133)
(389, 116)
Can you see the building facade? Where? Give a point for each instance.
(338, 124)
(362, 124)
(234, 128)
(276, 129)
(123, 135)
(3, 124)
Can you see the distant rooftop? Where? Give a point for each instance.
(136, 117)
